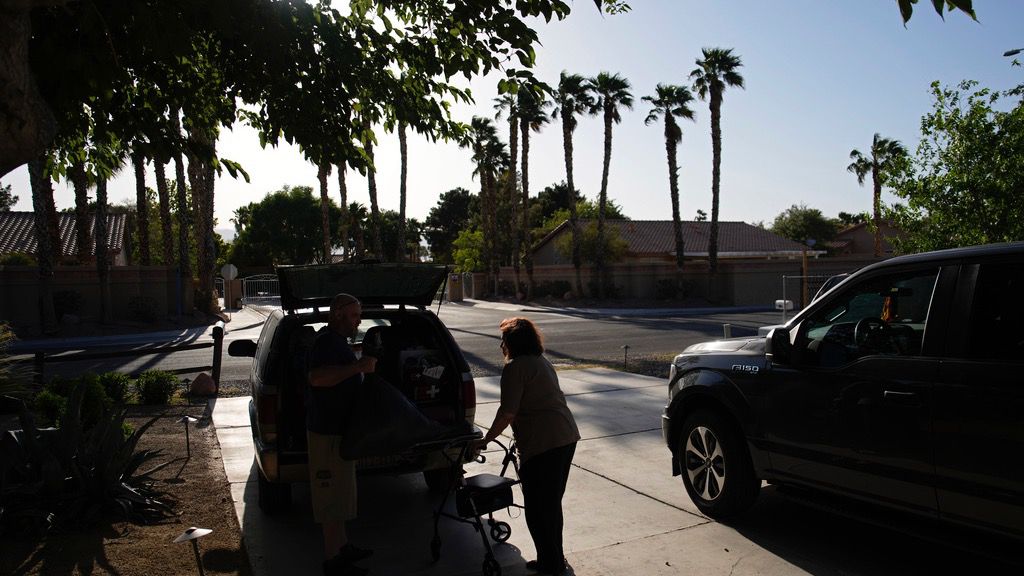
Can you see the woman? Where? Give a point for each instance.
(545, 433)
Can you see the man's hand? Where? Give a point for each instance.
(367, 364)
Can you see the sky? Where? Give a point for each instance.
(821, 78)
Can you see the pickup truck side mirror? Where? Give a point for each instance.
(778, 348)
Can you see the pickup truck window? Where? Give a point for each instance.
(885, 315)
(997, 314)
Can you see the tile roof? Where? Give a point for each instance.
(17, 232)
(650, 237)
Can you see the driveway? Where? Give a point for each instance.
(625, 513)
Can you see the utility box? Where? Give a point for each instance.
(455, 287)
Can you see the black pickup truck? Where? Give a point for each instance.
(903, 387)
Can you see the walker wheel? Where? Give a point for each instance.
(435, 548)
(500, 531)
(491, 566)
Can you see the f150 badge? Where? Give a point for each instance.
(745, 368)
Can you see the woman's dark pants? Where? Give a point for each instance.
(544, 477)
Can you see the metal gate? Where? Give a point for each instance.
(799, 290)
(261, 290)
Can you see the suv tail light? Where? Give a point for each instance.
(266, 411)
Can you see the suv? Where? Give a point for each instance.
(415, 352)
(903, 386)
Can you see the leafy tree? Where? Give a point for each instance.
(800, 223)
(391, 223)
(7, 200)
(488, 155)
(573, 99)
(610, 91)
(446, 219)
(846, 219)
(283, 228)
(714, 73)
(554, 198)
(672, 102)
(614, 247)
(468, 251)
(533, 115)
(701, 216)
(963, 184)
(965, 6)
(885, 158)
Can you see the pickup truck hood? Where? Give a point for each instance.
(752, 346)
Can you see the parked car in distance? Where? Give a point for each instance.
(903, 387)
(415, 351)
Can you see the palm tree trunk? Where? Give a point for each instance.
(400, 250)
(102, 251)
(573, 216)
(877, 205)
(141, 207)
(167, 245)
(513, 200)
(325, 211)
(716, 174)
(602, 205)
(83, 238)
(42, 195)
(202, 180)
(371, 179)
(673, 188)
(343, 189)
(184, 219)
(524, 234)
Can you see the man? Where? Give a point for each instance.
(334, 374)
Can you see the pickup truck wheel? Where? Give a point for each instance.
(274, 497)
(716, 466)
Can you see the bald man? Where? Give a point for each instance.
(334, 373)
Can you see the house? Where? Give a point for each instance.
(859, 239)
(653, 241)
(18, 236)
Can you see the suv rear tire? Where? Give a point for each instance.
(716, 467)
(274, 497)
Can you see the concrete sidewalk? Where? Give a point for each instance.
(625, 513)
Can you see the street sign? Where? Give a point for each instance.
(229, 271)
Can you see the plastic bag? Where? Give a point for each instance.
(383, 422)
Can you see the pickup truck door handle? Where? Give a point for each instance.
(902, 398)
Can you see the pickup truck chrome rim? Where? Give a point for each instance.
(705, 463)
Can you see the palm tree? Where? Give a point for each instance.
(403, 175)
(672, 102)
(163, 195)
(532, 116)
(508, 104)
(42, 199)
(141, 203)
(885, 158)
(184, 214)
(610, 91)
(483, 144)
(371, 182)
(356, 217)
(573, 99)
(713, 75)
(343, 191)
(80, 182)
(200, 171)
(323, 171)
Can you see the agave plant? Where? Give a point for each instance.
(68, 477)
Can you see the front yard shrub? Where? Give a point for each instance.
(17, 259)
(553, 288)
(14, 378)
(50, 403)
(115, 384)
(69, 476)
(156, 386)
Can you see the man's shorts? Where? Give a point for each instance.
(332, 480)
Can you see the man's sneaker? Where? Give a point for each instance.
(351, 553)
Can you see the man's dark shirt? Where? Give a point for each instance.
(327, 408)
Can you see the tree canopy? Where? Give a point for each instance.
(7, 199)
(283, 228)
(963, 184)
(801, 223)
(450, 216)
